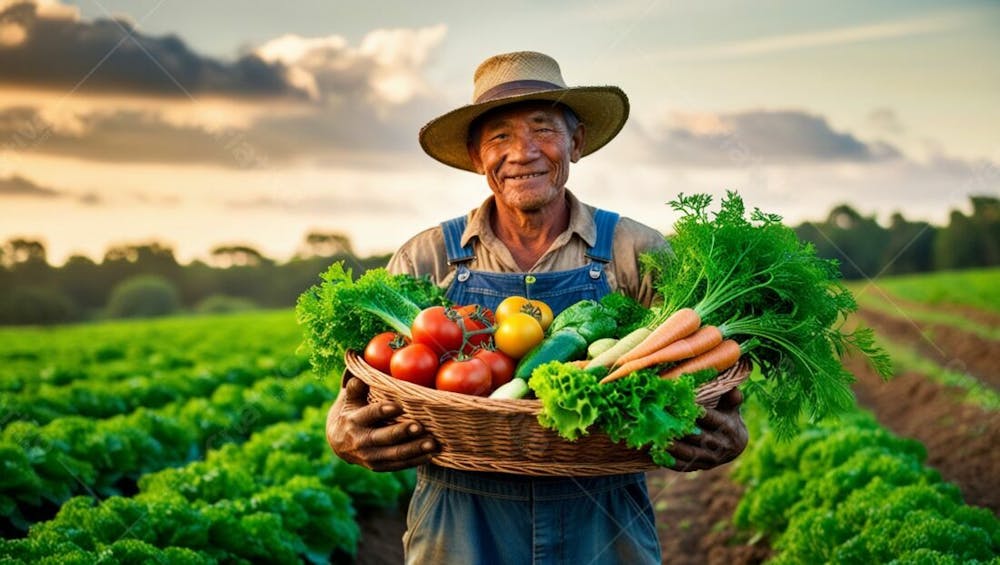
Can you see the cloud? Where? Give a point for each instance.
(885, 120)
(46, 45)
(367, 102)
(386, 66)
(821, 38)
(121, 136)
(19, 186)
(16, 186)
(751, 137)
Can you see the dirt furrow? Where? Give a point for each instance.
(948, 346)
(961, 439)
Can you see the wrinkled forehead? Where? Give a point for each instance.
(542, 108)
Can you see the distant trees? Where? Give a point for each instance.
(145, 279)
(866, 249)
(238, 277)
(143, 296)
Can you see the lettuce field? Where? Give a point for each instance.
(201, 440)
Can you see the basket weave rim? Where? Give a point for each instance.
(726, 380)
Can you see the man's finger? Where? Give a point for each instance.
(414, 449)
(731, 399)
(356, 391)
(372, 414)
(395, 434)
(404, 464)
(713, 420)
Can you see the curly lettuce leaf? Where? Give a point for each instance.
(341, 314)
(641, 411)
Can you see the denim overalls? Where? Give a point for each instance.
(464, 517)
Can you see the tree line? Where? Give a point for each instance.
(138, 280)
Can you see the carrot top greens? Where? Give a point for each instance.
(753, 277)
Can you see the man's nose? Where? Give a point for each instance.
(523, 148)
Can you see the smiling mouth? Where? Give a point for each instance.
(523, 177)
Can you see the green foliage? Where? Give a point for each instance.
(857, 243)
(642, 411)
(977, 288)
(223, 304)
(970, 241)
(850, 492)
(143, 296)
(342, 314)
(32, 305)
(627, 311)
(589, 318)
(750, 275)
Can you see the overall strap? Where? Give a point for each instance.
(606, 222)
(453, 230)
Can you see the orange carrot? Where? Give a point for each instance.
(695, 344)
(581, 364)
(679, 325)
(720, 358)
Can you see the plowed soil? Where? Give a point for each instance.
(693, 509)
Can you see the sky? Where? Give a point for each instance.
(198, 124)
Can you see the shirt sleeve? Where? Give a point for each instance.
(401, 264)
(632, 239)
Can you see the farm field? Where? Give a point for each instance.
(178, 440)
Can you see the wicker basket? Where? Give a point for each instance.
(483, 434)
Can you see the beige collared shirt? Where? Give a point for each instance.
(424, 254)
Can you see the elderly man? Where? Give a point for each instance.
(534, 238)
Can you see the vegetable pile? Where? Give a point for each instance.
(732, 285)
(407, 328)
(769, 297)
(342, 314)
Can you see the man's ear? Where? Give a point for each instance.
(477, 163)
(577, 140)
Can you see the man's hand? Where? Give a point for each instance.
(359, 433)
(723, 437)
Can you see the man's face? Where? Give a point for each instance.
(525, 152)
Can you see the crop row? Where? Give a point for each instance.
(849, 491)
(97, 399)
(107, 352)
(44, 465)
(280, 497)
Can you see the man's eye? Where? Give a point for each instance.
(499, 137)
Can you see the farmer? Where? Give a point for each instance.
(531, 237)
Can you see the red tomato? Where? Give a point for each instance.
(416, 363)
(467, 376)
(379, 350)
(476, 318)
(433, 327)
(501, 366)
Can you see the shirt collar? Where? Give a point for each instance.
(581, 222)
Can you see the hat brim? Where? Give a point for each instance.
(602, 109)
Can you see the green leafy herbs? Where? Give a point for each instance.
(848, 491)
(751, 276)
(640, 411)
(627, 311)
(341, 313)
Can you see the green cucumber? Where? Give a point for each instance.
(564, 345)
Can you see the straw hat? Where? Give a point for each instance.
(517, 77)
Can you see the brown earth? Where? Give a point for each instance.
(693, 509)
(948, 346)
(961, 439)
